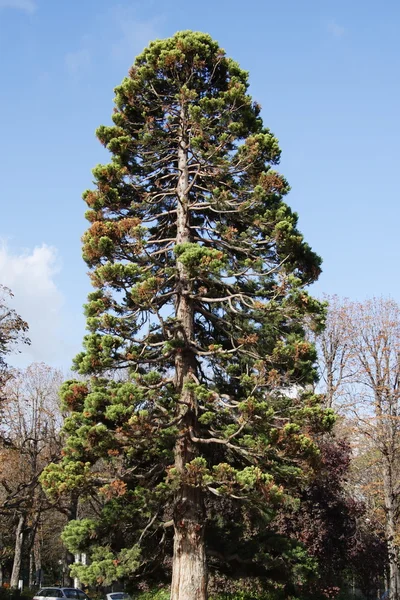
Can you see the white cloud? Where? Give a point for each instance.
(30, 276)
(335, 29)
(127, 36)
(78, 61)
(134, 35)
(28, 6)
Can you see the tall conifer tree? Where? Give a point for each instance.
(200, 305)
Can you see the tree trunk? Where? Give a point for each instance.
(189, 580)
(1, 564)
(68, 562)
(19, 539)
(37, 552)
(189, 569)
(33, 541)
(393, 564)
(31, 570)
(69, 557)
(390, 509)
(386, 580)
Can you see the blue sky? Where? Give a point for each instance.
(325, 72)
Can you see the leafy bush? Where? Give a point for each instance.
(160, 594)
(9, 594)
(164, 594)
(244, 596)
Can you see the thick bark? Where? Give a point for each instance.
(189, 572)
(189, 579)
(19, 539)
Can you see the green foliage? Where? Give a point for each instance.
(164, 594)
(15, 594)
(157, 594)
(247, 596)
(58, 479)
(199, 259)
(77, 534)
(105, 567)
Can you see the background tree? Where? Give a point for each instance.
(371, 336)
(333, 348)
(13, 331)
(365, 484)
(200, 275)
(30, 428)
(332, 523)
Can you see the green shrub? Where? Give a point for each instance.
(8, 594)
(244, 596)
(164, 594)
(160, 594)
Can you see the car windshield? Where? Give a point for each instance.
(71, 593)
(75, 593)
(119, 596)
